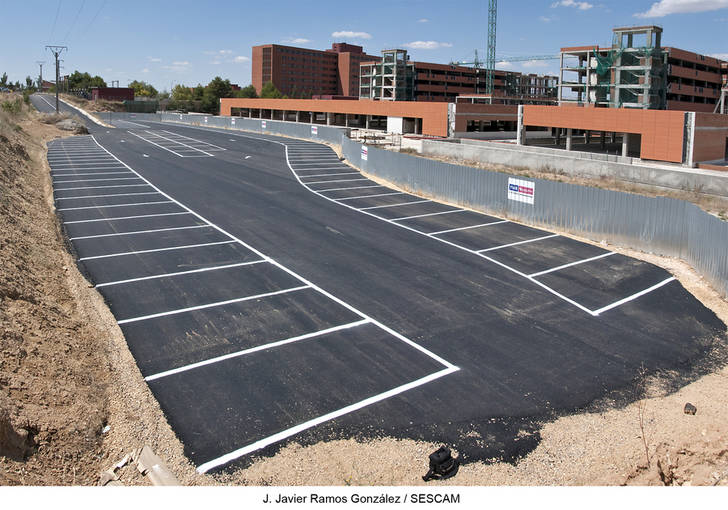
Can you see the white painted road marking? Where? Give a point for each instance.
(178, 273)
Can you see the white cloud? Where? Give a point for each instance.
(145, 70)
(582, 6)
(296, 40)
(534, 63)
(666, 7)
(220, 53)
(154, 59)
(423, 20)
(547, 19)
(503, 64)
(720, 56)
(348, 34)
(241, 59)
(178, 66)
(426, 45)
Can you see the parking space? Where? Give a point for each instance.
(179, 145)
(592, 279)
(198, 304)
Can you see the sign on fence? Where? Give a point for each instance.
(314, 130)
(521, 191)
(262, 124)
(364, 153)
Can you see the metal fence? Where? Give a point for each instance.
(660, 225)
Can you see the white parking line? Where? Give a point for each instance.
(175, 142)
(351, 187)
(394, 205)
(73, 174)
(608, 254)
(98, 180)
(633, 296)
(516, 244)
(370, 196)
(429, 214)
(102, 196)
(201, 142)
(328, 175)
(134, 232)
(154, 250)
(466, 228)
(212, 305)
(338, 180)
(280, 436)
(113, 205)
(97, 187)
(166, 275)
(256, 349)
(154, 143)
(126, 217)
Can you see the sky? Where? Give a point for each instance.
(167, 43)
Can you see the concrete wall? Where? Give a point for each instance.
(581, 164)
(711, 136)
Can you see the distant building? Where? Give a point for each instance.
(112, 93)
(638, 72)
(301, 72)
(395, 78)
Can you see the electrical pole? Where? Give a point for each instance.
(56, 51)
(490, 59)
(40, 79)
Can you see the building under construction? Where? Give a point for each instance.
(396, 78)
(638, 72)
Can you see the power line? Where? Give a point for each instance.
(95, 16)
(74, 20)
(56, 20)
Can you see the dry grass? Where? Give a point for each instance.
(712, 204)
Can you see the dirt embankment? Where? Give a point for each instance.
(95, 106)
(72, 401)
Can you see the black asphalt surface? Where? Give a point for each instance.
(486, 352)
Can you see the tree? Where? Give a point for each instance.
(143, 89)
(198, 92)
(28, 82)
(181, 93)
(269, 91)
(4, 80)
(248, 92)
(84, 81)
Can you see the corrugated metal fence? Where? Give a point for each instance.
(664, 226)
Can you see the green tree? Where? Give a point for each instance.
(198, 92)
(269, 91)
(182, 93)
(4, 80)
(248, 92)
(28, 82)
(78, 80)
(143, 89)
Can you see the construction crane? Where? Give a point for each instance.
(490, 57)
(522, 58)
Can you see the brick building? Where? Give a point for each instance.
(638, 72)
(302, 72)
(395, 77)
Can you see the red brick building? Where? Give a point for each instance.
(302, 72)
(112, 93)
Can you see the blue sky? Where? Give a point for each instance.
(190, 42)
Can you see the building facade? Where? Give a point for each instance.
(302, 72)
(638, 72)
(396, 78)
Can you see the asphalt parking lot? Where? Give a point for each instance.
(269, 292)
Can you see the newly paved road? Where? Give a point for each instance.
(271, 293)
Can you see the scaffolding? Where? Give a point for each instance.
(630, 74)
(391, 79)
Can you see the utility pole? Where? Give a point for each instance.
(40, 79)
(490, 59)
(56, 51)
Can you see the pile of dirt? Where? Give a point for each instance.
(72, 401)
(95, 106)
